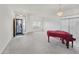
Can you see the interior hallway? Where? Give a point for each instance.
(36, 43)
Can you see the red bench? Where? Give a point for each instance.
(64, 36)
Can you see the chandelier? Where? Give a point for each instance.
(60, 11)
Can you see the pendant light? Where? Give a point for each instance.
(60, 11)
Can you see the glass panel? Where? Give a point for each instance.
(18, 26)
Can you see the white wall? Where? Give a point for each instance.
(53, 24)
(74, 28)
(5, 26)
(45, 23)
(65, 25)
(73, 25)
(27, 24)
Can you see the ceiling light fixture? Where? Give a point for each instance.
(60, 11)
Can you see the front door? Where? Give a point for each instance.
(19, 26)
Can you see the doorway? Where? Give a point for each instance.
(17, 27)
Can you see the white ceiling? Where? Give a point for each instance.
(44, 9)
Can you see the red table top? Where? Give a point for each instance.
(58, 33)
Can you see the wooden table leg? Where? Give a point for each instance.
(48, 39)
(72, 44)
(67, 44)
(63, 41)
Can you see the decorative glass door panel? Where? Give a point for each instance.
(19, 26)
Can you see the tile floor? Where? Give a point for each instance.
(36, 43)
